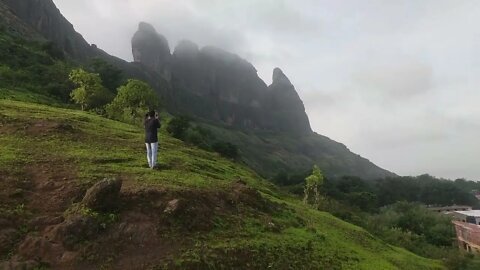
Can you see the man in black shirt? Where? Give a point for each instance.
(152, 124)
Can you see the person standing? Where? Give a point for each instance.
(152, 124)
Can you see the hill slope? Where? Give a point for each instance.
(199, 211)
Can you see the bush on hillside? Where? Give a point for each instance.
(111, 76)
(226, 149)
(53, 50)
(200, 137)
(90, 93)
(178, 126)
(313, 183)
(132, 101)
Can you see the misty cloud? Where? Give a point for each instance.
(396, 81)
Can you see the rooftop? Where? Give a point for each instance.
(474, 213)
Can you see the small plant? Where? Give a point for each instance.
(312, 184)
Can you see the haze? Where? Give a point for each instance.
(396, 81)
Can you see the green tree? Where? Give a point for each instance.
(90, 92)
(312, 185)
(132, 101)
(111, 76)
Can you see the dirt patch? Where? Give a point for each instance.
(152, 226)
(42, 127)
(54, 187)
(37, 127)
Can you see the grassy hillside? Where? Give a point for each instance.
(270, 153)
(228, 216)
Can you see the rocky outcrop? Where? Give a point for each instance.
(227, 88)
(47, 20)
(14, 25)
(217, 85)
(286, 106)
(151, 49)
(103, 196)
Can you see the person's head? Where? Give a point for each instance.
(151, 114)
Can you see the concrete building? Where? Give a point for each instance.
(470, 216)
(467, 229)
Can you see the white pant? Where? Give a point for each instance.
(152, 149)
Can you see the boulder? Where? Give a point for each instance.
(75, 229)
(104, 195)
(172, 206)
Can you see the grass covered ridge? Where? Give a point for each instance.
(51, 155)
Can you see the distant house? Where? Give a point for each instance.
(468, 230)
(449, 209)
(470, 216)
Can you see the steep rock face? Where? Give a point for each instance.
(285, 105)
(12, 24)
(151, 49)
(47, 20)
(217, 85)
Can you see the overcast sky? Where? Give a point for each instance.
(395, 81)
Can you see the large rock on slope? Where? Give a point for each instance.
(104, 195)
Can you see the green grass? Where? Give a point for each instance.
(291, 237)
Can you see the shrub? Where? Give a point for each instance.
(90, 92)
(111, 76)
(178, 126)
(226, 149)
(132, 101)
(53, 50)
(312, 184)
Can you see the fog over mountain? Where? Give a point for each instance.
(396, 81)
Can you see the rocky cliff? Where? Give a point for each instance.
(151, 49)
(220, 86)
(46, 19)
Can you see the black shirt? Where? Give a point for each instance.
(151, 130)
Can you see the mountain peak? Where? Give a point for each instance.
(146, 27)
(150, 48)
(279, 77)
(186, 49)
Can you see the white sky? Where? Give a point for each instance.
(396, 81)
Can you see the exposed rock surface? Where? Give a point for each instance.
(47, 20)
(286, 105)
(150, 48)
(104, 195)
